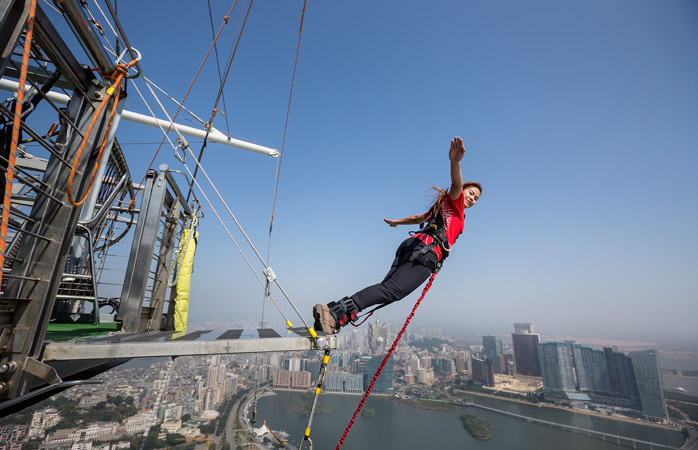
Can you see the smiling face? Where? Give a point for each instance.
(472, 195)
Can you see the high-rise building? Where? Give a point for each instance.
(580, 373)
(525, 343)
(478, 369)
(412, 365)
(368, 365)
(444, 367)
(489, 372)
(289, 379)
(293, 364)
(492, 346)
(524, 328)
(622, 376)
(610, 377)
(377, 337)
(649, 383)
(313, 366)
(344, 383)
(595, 370)
(461, 363)
(556, 368)
(483, 371)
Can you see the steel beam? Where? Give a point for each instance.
(136, 279)
(70, 351)
(43, 259)
(13, 14)
(212, 136)
(57, 50)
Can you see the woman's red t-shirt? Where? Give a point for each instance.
(453, 213)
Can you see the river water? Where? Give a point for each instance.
(397, 426)
(689, 384)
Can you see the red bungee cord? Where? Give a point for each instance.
(385, 360)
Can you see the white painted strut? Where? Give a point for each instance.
(213, 136)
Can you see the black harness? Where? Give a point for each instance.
(436, 228)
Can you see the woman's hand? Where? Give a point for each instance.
(457, 151)
(411, 220)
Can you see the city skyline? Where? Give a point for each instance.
(187, 395)
(470, 336)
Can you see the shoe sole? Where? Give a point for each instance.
(320, 324)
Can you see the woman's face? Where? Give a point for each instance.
(471, 194)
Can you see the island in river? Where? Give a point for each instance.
(479, 429)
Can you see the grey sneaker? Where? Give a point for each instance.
(324, 320)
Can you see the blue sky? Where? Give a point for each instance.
(579, 118)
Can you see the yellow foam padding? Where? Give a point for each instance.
(184, 281)
(312, 332)
(307, 432)
(326, 359)
(317, 390)
(289, 324)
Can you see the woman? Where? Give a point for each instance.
(418, 256)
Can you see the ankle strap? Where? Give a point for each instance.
(344, 311)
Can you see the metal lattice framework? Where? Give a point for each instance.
(60, 259)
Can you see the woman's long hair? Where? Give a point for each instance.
(439, 196)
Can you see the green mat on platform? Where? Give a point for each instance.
(71, 331)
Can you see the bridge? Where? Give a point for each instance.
(600, 435)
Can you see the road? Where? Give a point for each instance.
(239, 410)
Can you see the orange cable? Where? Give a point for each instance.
(15, 134)
(121, 70)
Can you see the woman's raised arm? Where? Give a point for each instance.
(455, 154)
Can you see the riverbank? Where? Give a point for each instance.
(574, 410)
(429, 405)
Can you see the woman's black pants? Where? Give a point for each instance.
(403, 277)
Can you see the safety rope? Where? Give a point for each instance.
(218, 65)
(191, 85)
(117, 76)
(385, 360)
(15, 134)
(267, 290)
(268, 273)
(288, 111)
(230, 60)
(320, 382)
(215, 109)
(208, 202)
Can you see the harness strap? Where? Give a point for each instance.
(437, 230)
